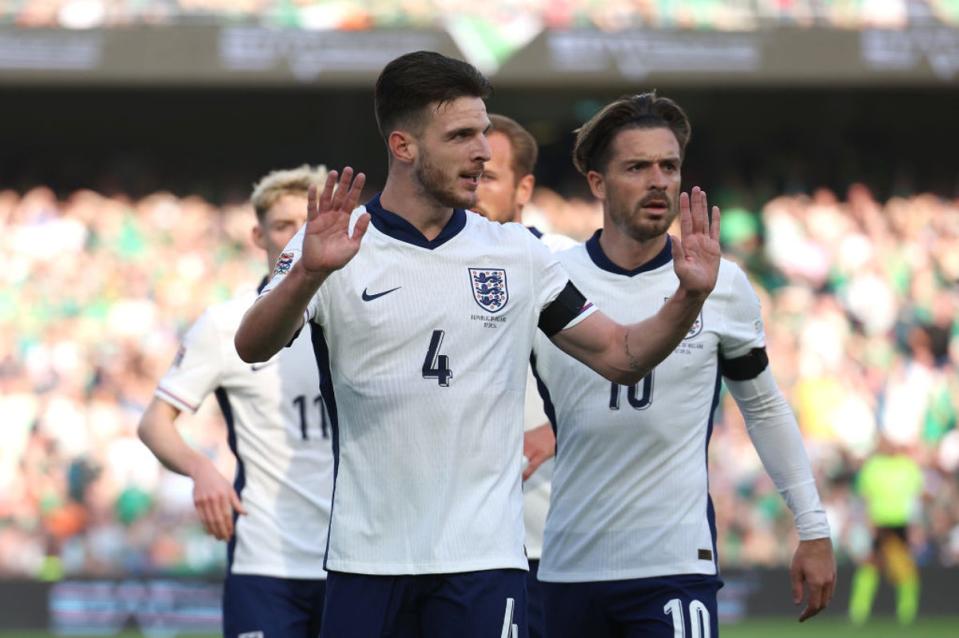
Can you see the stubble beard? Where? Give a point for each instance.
(633, 225)
(435, 184)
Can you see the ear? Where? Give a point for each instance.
(524, 190)
(402, 146)
(596, 184)
(258, 239)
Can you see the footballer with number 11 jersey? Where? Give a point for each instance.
(276, 514)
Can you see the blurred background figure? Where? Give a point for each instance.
(890, 482)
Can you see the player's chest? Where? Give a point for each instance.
(415, 290)
(630, 300)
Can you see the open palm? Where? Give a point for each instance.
(327, 243)
(696, 255)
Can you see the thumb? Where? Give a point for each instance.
(237, 503)
(359, 229)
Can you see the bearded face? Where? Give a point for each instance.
(451, 151)
(642, 181)
(442, 183)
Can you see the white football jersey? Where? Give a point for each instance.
(536, 490)
(426, 346)
(279, 431)
(630, 487)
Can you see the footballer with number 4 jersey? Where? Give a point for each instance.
(276, 514)
(630, 540)
(423, 316)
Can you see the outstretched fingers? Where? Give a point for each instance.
(714, 225)
(312, 204)
(356, 189)
(326, 199)
(342, 189)
(699, 210)
(685, 217)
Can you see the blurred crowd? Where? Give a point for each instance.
(860, 302)
(609, 15)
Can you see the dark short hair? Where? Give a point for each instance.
(521, 141)
(646, 110)
(413, 81)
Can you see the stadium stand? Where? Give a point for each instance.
(859, 297)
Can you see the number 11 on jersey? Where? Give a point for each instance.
(436, 365)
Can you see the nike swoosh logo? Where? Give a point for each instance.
(259, 366)
(368, 297)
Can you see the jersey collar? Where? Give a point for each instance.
(389, 223)
(537, 233)
(266, 280)
(605, 263)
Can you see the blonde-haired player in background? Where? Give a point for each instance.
(275, 514)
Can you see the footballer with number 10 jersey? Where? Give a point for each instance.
(630, 495)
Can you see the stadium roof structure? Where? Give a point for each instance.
(920, 48)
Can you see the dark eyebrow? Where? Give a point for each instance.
(643, 160)
(463, 130)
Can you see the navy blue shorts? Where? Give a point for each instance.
(664, 607)
(480, 604)
(535, 615)
(264, 606)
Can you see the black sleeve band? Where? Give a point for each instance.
(566, 307)
(749, 366)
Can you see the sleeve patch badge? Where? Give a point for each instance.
(283, 264)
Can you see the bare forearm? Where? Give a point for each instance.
(644, 345)
(626, 354)
(273, 320)
(159, 434)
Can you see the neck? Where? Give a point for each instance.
(626, 252)
(403, 196)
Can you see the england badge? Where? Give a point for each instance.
(489, 288)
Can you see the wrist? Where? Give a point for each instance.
(308, 278)
(196, 464)
(686, 296)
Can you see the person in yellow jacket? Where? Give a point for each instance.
(890, 482)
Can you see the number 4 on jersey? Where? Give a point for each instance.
(436, 365)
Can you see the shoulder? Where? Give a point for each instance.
(556, 242)
(476, 224)
(732, 282)
(227, 315)
(509, 239)
(573, 255)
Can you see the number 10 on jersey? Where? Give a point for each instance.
(436, 365)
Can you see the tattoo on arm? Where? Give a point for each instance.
(634, 363)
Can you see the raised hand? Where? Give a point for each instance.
(327, 244)
(696, 255)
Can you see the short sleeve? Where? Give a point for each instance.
(197, 367)
(742, 318)
(290, 255)
(559, 302)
